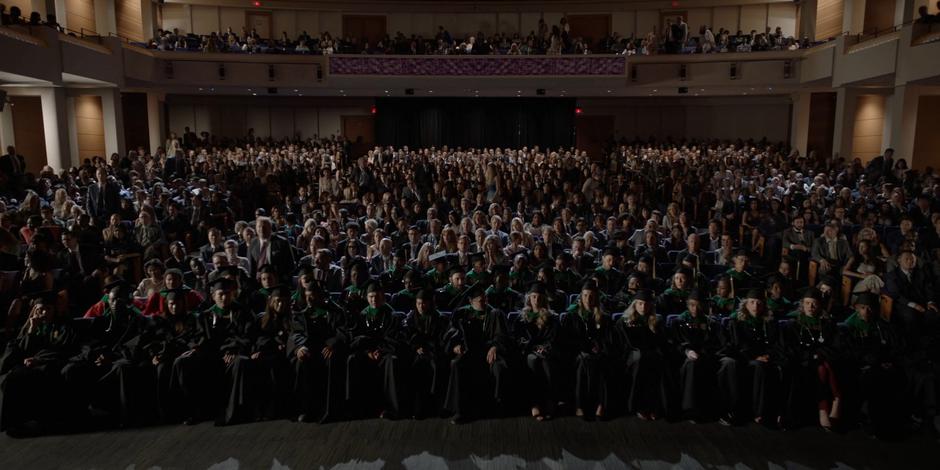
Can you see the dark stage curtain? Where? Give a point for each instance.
(475, 122)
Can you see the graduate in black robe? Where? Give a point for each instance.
(258, 300)
(673, 300)
(450, 297)
(480, 345)
(643, 347)
(500, 295)
(210, 377)
(591, 340)
(318, 355)
(755, 342)
(404, 299)
(537, 335)
(30, 382)
(706, 375)
(810, 377)
(175, 334)
(425, 330)
(372, 376)
(270, 371)
(873, 352)
(113, 371)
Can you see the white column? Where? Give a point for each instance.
(155, 121)
(846, 102)
(901, 121)
(55, 124)
(60, 13)
(6, 128)
(105, 19)
(112, 113)
(903, 11)
(73, 131)
(799, 125)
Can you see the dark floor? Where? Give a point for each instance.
(566, 443)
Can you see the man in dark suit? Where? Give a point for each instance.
(352, 236)
(12, 168)
(382, 262)
(913, 291)
(269, 248)
(103, 197)
(215, 245)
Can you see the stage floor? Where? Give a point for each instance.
(566, 443)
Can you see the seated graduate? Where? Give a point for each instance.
(372, 376)
(557, 298)
(30, 381)
(478, 273)
(424, 334)
(777, 303)
(521, 276)
(172, 280)
(610, 280)
(722, 303)
(536, 332)
(393, 277)
(643, 342)
(589, 337)
(755, 342)
(810, 379)
(113, 372)
(317, 353)
(673, 300)
(404, 299)
(270, 374)
(441, 270)
(267, 278)
(565, 277)
(741, 279)
(874, 353)
(449, 297)
(354, 295)
(500, 295)
(208, 374)
(175, 334)
(480, 346)
(706, 374)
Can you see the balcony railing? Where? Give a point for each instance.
(477, 65)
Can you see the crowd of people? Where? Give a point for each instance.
(238, 281)
(551, 40)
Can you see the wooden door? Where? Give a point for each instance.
(260, 21)
(136, 124)
(592, 133)
(369, 28)
(822, 115)
(360, 130)
(593, 28)
(28, 131)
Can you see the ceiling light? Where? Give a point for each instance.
(254, 94)
(295, 90)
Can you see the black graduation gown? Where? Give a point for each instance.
(538, 349)
(427, 371)
(33, 393)
(319, 383)
(124, 382)
(373, 387)
(209, 386)
(474, 385)
(270, 371)
(873, 359)
(645, 365)
(173, 336)
(594, 347)
(807, 348)
(507, 300)
(750, 339)
(712, 378)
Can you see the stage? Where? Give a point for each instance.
(566, 443)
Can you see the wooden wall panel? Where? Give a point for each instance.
(879, 15)
(364, 27)
(136, 125)
(129, 20)
(80, 14)
(822, 121)
(869, 127)
(593, 28)
(28, 131)
(89, 123)
(926, 137)
(828, 19)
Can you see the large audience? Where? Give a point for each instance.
(546, 40)
(243, 280)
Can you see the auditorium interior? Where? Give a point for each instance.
(469, 234)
